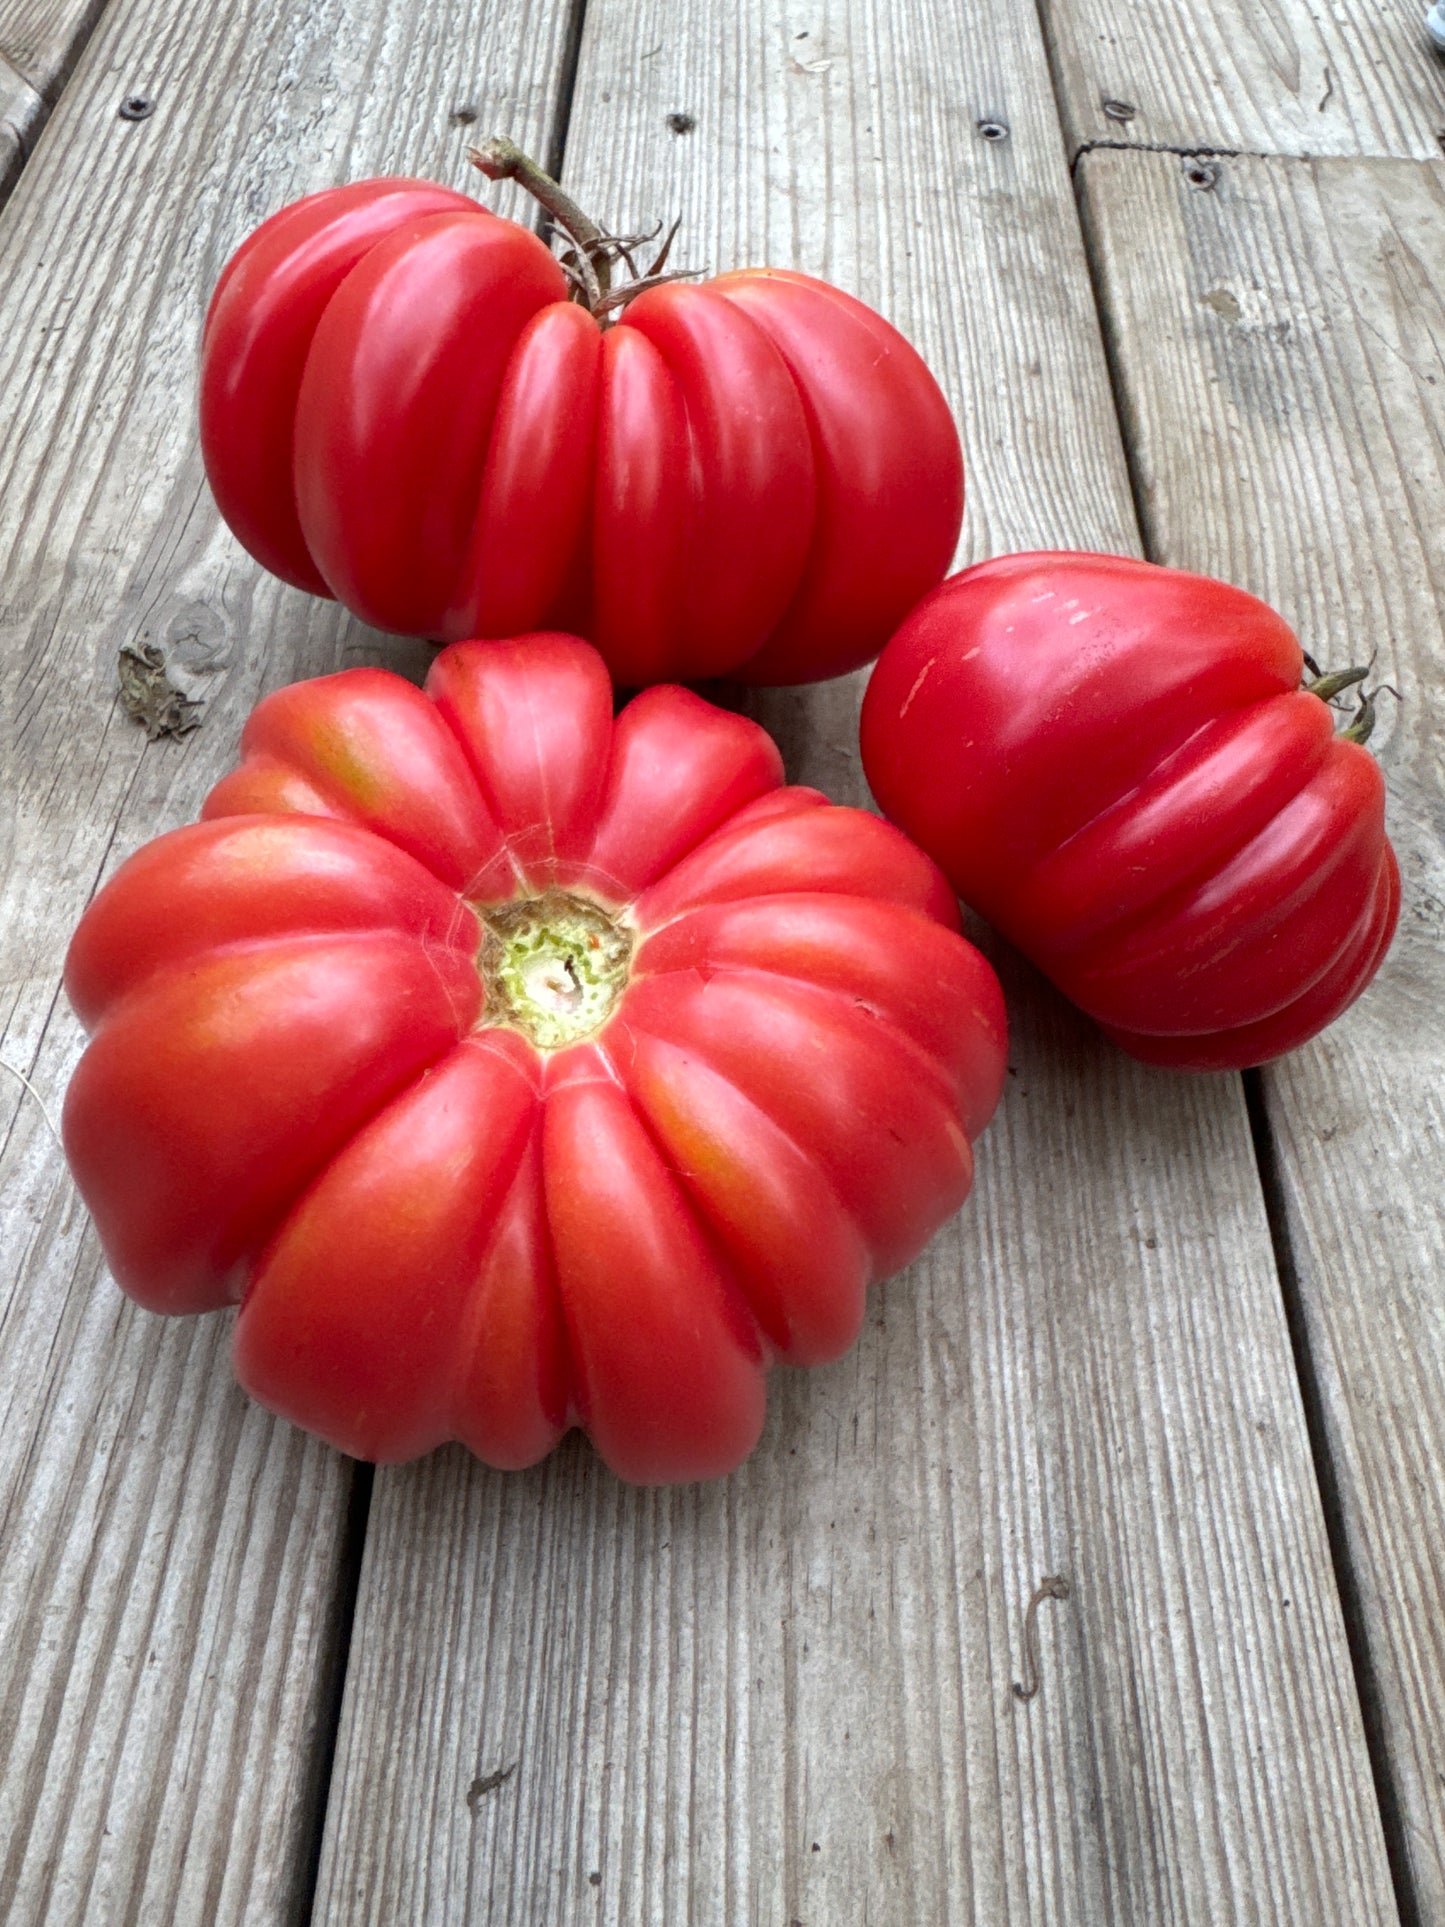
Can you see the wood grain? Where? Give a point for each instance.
(1283, 364)
(40, 42)
(787, 1696)
(1248, 76)
(168, 1588)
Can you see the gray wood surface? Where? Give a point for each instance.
(1283, 363)
(1251, 76)
(40, 41)
(786, 1697)
(169, 1557)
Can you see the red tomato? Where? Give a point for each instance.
(1116, 764)
(401, 407)
(515, 1067)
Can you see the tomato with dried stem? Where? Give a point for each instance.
(410, 404)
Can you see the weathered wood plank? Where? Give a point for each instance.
(1280, 340)
(1248, 76)
(40, 41)
(787, 1696)
(170, 1556)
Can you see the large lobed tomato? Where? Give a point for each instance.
(401, 407)
(1117, 764)
(514, 1066)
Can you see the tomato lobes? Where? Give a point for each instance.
(668, 1376)
(263, 315)
(754, 488)
(645, 506)
(512, 1384)
(360, 1293)
(210, 1097)
(767, 848)
(519, 1065)
(377, 753)
(1199, 806)
(1257, 934)
(527, 563)
(395, 410)
(680, 769)
(401, 408)
(907, 970)
(875, 1114)
(1118, 766)
(886, 457)
(245, 879)
(538, 743)
(1296, 1022)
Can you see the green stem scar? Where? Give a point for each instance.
(554, 967)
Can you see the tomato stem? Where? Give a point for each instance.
(589, 261)
(501, 159)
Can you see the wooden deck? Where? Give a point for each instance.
(1185, 1346)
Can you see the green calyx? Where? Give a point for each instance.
(554, 967)
(1327, 687)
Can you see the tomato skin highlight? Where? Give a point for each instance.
(317, 1087)
(361, 1293)
(259, 326)
(527, 564)
(394, 413)
(876, 448)
(216, 1090)
(1117, 765)
(753, 476)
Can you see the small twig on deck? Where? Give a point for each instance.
(1053, 1587)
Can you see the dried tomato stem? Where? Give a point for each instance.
(501, 159)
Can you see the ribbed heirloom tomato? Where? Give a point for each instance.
(514, 1066)
(402, 407)
(1121, 767)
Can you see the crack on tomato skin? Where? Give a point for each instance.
(918, 683)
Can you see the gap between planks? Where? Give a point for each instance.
(40, 42)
